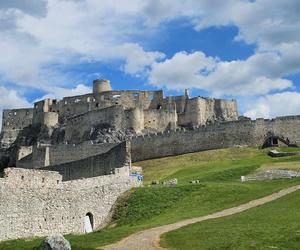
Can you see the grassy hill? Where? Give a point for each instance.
(219, 173)
(274, 225)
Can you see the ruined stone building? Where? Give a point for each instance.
(68, 160)
(118, 109)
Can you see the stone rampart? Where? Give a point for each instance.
(62, 153)
(14, 120)
(214, 136)
(79, 125)
(38, 203)
(101, 164)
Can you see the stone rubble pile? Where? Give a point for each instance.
(271, 175)
(172, 182)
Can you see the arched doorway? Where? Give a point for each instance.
(88, 223)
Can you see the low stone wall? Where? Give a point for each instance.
(272, 174)
(38, 203)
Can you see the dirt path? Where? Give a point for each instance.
(149, 239)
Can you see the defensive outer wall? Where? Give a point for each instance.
(219, 135)
(45, 205)
(59, 198)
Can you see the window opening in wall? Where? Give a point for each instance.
(151, 97)
(97, 105)
(88, 223)
(159, 106)
(22, 177)
(135, 96)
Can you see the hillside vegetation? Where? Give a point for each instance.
(219, 173)
(274, 225)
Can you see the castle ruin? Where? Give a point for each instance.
(68, 160)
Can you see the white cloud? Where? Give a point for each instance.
(266, 22)
(69, 33)
(137, 59)
(59, 93)
(40, 39)
(257, 75)
(280, 104)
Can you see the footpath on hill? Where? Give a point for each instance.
(149, 239)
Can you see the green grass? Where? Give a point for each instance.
(274, 225)
(219, 172)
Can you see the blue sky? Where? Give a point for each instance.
(248, 50)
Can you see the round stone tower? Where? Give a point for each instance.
(101, 86)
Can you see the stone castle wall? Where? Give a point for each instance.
(44, 205)
(118, 118)
(14, 120)
(199, 111)
(214, 136)
(101, 164)
(59, 154)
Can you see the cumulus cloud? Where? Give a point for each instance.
(59, 93)
(41, 39)
(69, 33)
(257, 75)
(265, 22)
(280, 104)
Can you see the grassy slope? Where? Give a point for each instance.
(272, 226)
(219, 172)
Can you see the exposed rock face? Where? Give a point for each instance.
(57, 242)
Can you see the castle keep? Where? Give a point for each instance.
(67, 161)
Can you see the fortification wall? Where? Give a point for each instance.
(49, 119)
(59, 154)
(97, 165)
(199, 111)
(130, 99)
(38, 203)
(160, 119)
(135, 119)
(75, 105)
(214, 136)
(78, 125)
(14, 120)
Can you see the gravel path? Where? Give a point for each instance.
(149, 239)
